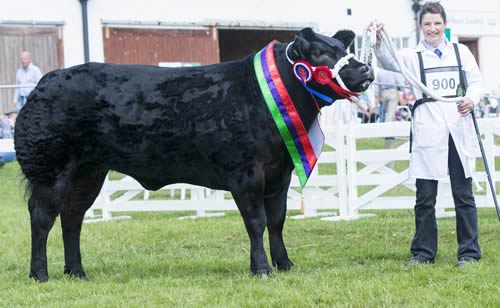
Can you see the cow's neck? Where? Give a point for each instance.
(302, 100)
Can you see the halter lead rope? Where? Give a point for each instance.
(412, 79)
(366, 54)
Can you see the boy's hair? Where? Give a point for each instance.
(431, 8)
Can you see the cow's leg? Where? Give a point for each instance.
(275, 205)
(45, 203)
(250, 202)
(43, 212)
(85, 186)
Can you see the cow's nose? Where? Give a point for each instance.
(365, 69)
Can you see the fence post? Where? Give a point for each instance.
(342, 169)
(201, 194)
(352, 188)
(340, 133)
(350, 211)
(103, 202)
(489, 148)
(106, 200)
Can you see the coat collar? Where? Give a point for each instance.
(445, 46)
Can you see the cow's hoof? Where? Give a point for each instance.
(40, 276)
(283, 266)
(80, 276)
(262, 273)
(76, 274)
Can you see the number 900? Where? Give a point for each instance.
(444, 84)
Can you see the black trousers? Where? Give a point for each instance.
(424, 243)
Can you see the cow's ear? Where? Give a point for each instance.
(301, 44)
(346, 37)
(307, 33)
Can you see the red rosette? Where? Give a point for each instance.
(323, 74)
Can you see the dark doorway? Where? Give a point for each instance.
(236, 44)
(472, 44)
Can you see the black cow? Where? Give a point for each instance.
(206, 126)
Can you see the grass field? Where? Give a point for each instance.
(156, 260)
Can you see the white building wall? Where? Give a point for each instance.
(480, 18)
(490, 63)
(254, 14)
(258, 13)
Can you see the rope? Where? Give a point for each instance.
(369, 37)
(412, 79)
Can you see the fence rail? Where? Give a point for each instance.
(7, 95)
(355, 170)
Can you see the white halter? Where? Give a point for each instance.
(335, 70)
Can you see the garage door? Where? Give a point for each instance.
(152, 46)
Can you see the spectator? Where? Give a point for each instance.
(406, 100)
(27, 77)
(387, 92)
(484, 107)
(7, 123)
(11, 117)
(494, 103)
(367, 110)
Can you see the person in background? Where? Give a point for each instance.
(27, 77)
(367, 111)
(11, 118)
(493, 99)
(406, 100)
(484, 107)
(443, 135)
(7, 124)
(387, 92)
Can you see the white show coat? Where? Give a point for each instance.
(434, 121)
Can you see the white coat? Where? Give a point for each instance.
(435, 121)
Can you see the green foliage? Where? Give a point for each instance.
(155, 259)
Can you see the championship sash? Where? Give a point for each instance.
(303, 146)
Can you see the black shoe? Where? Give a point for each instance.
(417, 261)
(465, 260)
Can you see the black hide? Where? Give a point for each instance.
(207, 126)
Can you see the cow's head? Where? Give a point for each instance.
(320, 51)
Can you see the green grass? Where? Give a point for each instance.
(156, 260)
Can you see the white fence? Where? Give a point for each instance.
(325, 190)
(355, 170)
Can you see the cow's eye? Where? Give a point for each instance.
(316, 53)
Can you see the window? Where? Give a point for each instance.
(399, 42)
